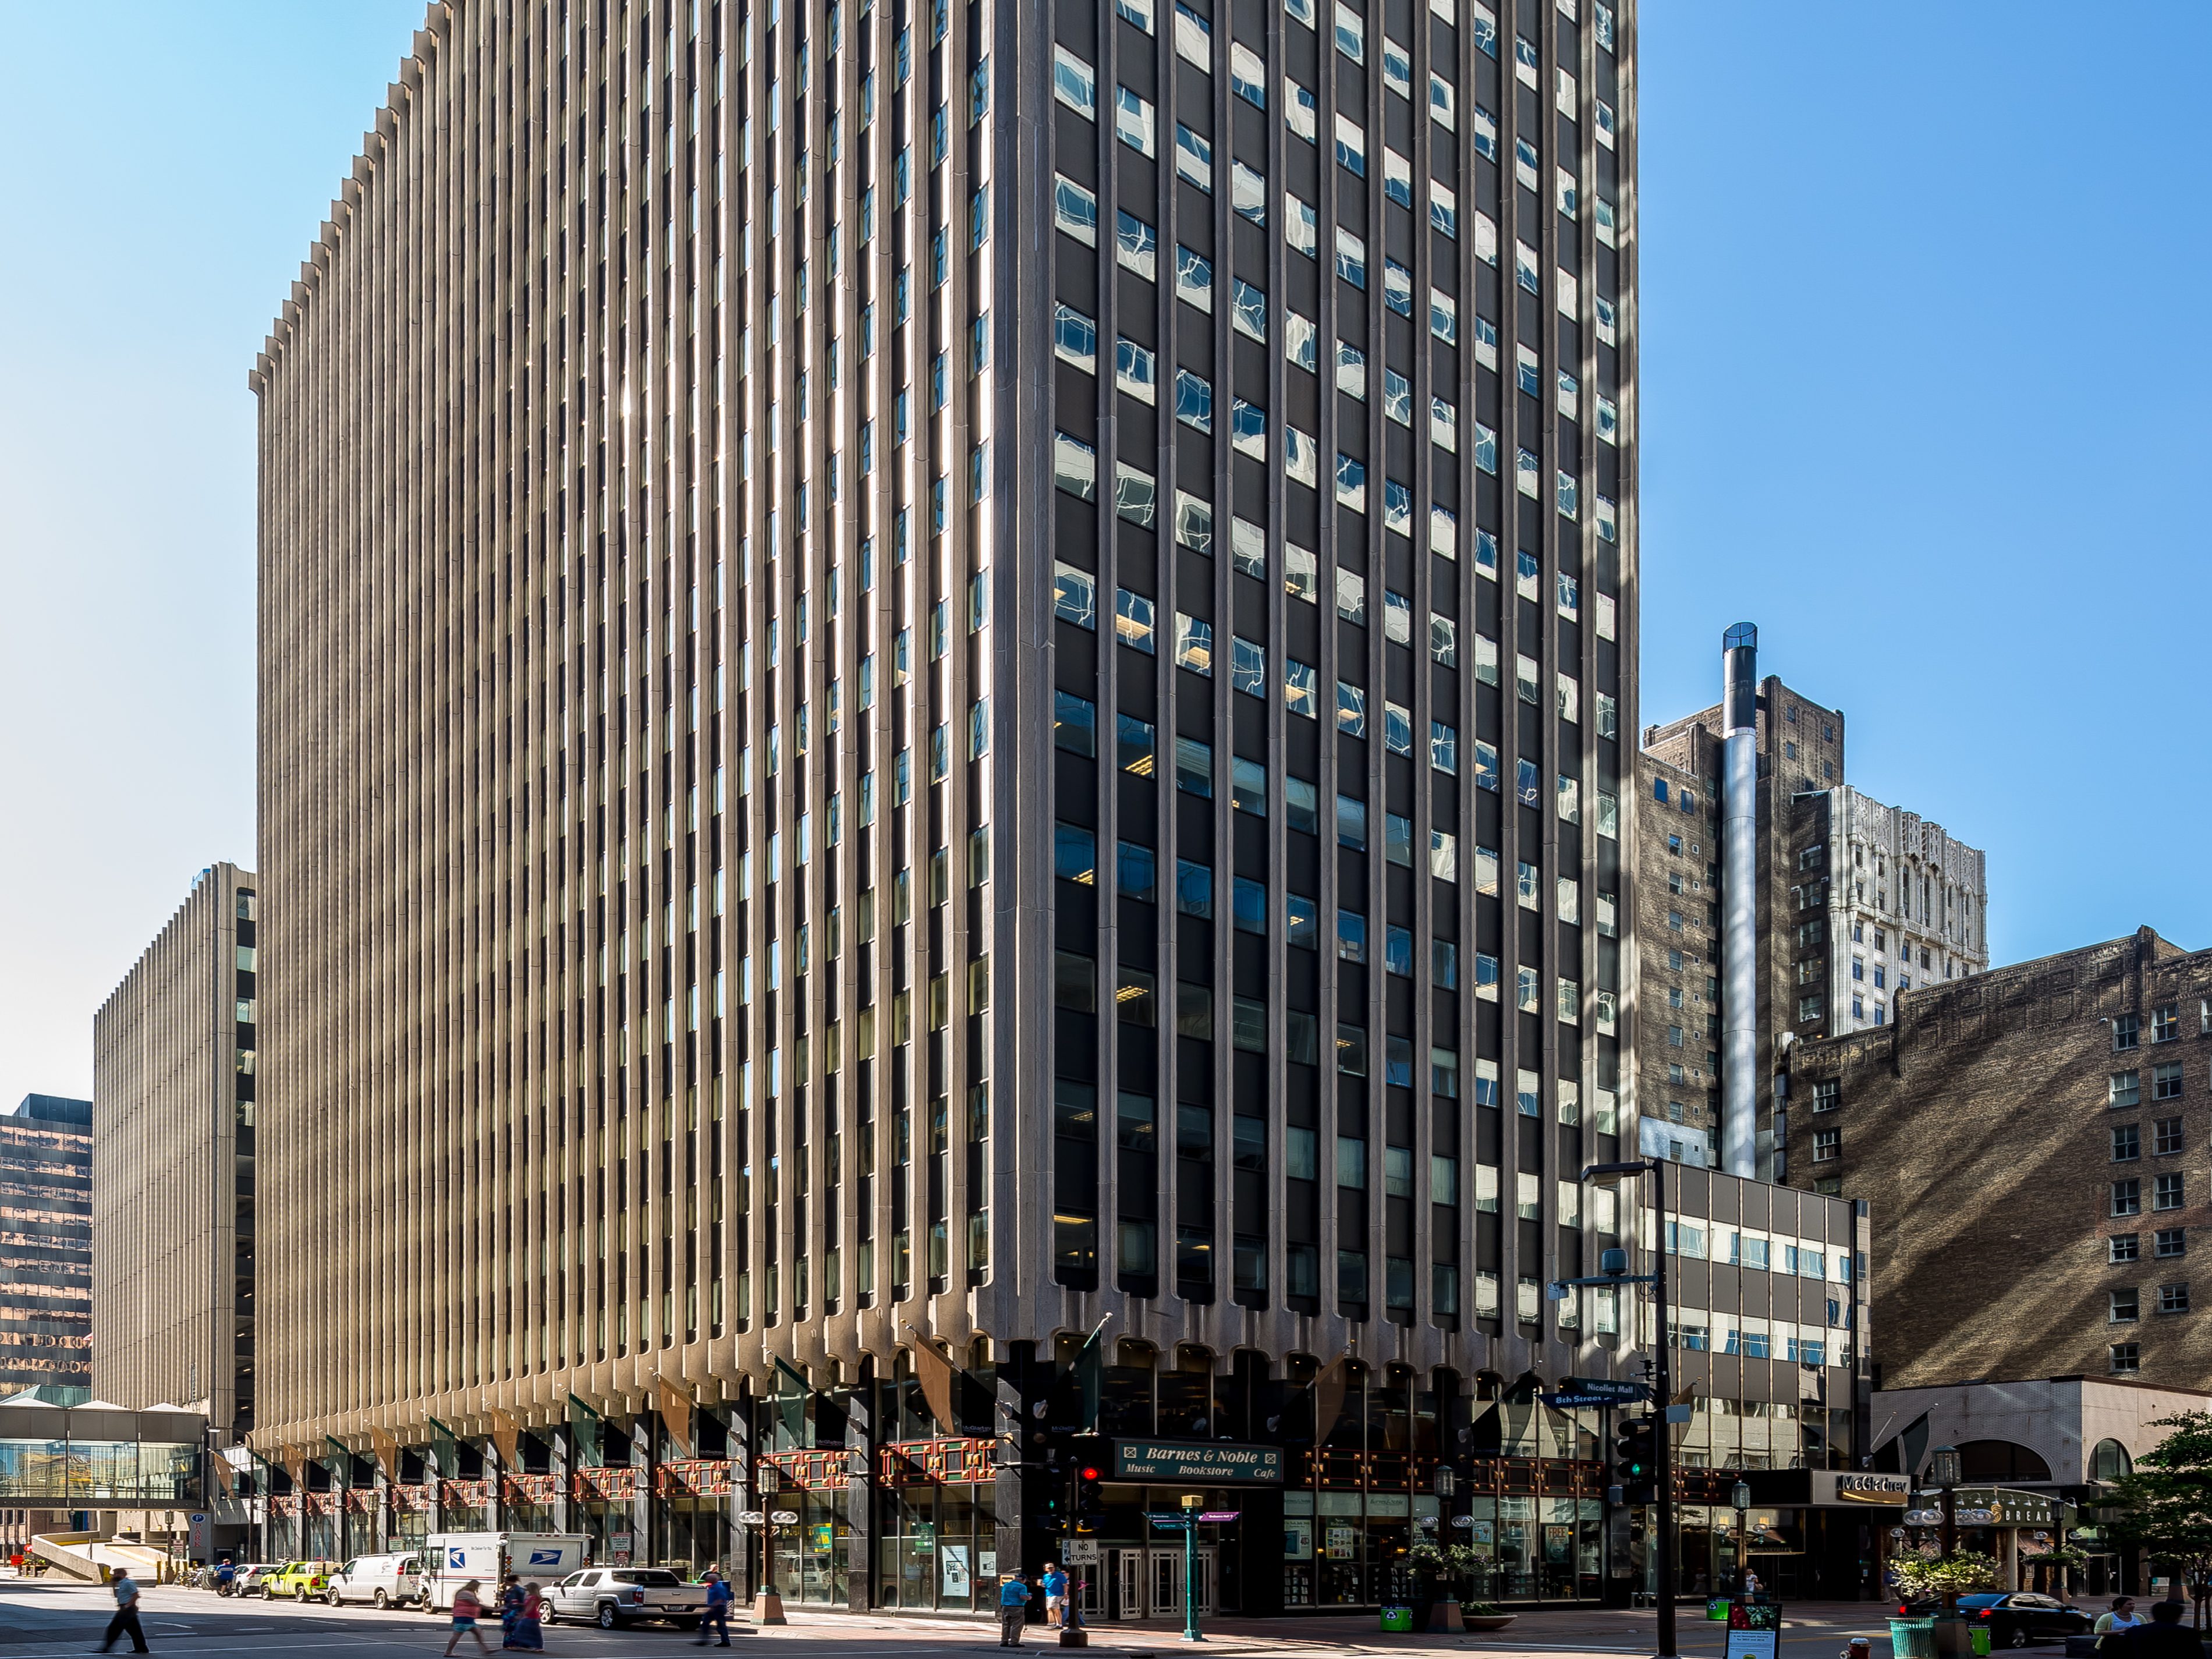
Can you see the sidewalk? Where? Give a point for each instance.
(1811, 1631)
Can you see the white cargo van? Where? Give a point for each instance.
(450, 1559)
(383, 1580)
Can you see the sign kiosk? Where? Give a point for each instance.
(1755, 1629)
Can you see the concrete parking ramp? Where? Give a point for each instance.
(70, 1554)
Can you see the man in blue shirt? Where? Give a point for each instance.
(717, 1616)
(1055, 1594)
(1013, 1610)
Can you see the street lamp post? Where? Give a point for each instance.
(1661, 1387)
(1192, 1502)
(1943, 1465)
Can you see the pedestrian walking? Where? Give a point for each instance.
(1055, 1595)
(510, 1612)
(717, 1616)
(126, 1614)
(1013, 1610)
(468, 1607)
(529, 1621)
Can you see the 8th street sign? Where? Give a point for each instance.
(1597, 1391)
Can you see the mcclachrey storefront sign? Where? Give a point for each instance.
(1204, 1462)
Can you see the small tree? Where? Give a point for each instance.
(1960, 1573)
(2166, 1506)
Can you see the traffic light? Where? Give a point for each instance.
(1089, 1497)
(1635, 1459)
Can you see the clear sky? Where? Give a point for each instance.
(1922, 357)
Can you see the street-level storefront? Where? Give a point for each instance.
(1811, 1534)
(937, 1531)
(603, 1506)
(2013, 1526)
(691, 1515)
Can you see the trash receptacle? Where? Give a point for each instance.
(1978, 1637)
(1912, 1638)
(1717, 1608)
(1397, 1619)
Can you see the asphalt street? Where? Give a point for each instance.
(46, 1619)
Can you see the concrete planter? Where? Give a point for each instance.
(1487, 1620)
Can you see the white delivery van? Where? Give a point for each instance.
(382, 1580)
(451, 1559)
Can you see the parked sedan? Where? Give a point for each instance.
(2015, 1621)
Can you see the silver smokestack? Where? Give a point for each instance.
(1739, 901)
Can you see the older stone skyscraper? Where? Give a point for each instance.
(931, 674)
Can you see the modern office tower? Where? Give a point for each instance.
(949, 675)
(2030, 1142)
(1854, 902)
(172, 1228)
(46, 1248)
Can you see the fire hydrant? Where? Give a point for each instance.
(1860, 1647)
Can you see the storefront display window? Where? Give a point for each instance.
(937, 1548)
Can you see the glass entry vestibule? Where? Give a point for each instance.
(1148, 1583)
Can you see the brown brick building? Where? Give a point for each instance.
(1800, 754)
(1857, 903)
(2031, 1143)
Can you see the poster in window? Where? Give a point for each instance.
(1341, 1543)
(952, 1568)
(1297, 1540)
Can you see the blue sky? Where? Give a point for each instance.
(1921, 359)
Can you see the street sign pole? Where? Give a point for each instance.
(1191, 1504)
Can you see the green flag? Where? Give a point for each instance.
(585, 1425)
(447, 1445)
(1090, 1377)
(792, 1407)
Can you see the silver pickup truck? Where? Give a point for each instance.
(612, 1597)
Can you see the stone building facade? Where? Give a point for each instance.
(908, 710)
(2032, 1145)
(1908, 904)
(174, 1075)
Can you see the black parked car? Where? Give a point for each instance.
(2015, 1621)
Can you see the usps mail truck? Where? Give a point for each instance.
(451, 1559)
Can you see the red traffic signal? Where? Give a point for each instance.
(1088, 1471)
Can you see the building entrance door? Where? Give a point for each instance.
(1148, 1583)
(1165, 1582)
(1128, 1579)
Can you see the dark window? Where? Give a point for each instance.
(2165, 1023)
(2126, 1357)
(2173, 1298)
(2126, 1305)
(2126, 1031)
(2165, 1194)
(2166, 1082)
(2127, 1198)
(2166, 1136)
(1828, 1094)
(2127, 1143)
(2121, 1247)
(2172, 1241)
